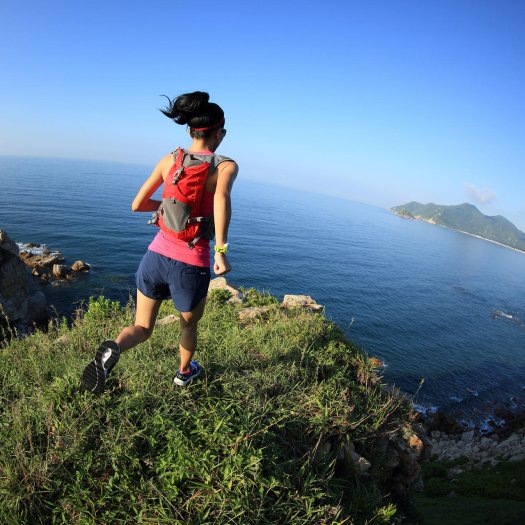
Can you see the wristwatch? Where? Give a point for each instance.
(221, 249)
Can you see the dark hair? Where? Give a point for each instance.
(195, 110)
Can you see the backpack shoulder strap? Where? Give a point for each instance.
(221, 158)
(216, 160)
(189, 159)
(175, 154)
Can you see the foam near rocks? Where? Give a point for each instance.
(36, 249)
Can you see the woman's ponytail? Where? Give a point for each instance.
(195, 110)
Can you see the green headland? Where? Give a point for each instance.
(467, 219)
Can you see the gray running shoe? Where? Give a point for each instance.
(96, 373)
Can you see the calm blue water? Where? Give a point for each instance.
(418, 296)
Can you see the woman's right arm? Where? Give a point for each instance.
(143, 200)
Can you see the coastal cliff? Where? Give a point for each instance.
(290, 422)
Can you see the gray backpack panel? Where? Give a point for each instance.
(193, 159)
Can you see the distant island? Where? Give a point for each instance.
(466, 218)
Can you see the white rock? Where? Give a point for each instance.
(169, 319)
(60, 270)
(467, 436)
(360, 462)
(253, 312)
(221, 283)
(80, 266)
(486, 443)
(301, 301)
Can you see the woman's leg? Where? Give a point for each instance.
(145, 317)
(96, 372)
(188, 334)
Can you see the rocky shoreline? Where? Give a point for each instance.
(450, 441)
(49, 265)
(477, 449)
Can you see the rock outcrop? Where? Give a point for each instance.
(399, 455)
(301, 301)
(60, 271)
(17, 303)
(14, 284)
(49, 266)
(41, 260)
(220, 283)
(80, 266)
(251, 313)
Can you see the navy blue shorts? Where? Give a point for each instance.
(160, 277)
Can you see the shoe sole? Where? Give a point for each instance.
(180, 382)
(93, 378)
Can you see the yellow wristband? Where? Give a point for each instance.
(221, 249)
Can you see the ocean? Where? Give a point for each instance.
(445, 311)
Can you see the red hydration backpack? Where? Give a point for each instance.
(180, 215)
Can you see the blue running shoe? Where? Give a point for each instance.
(96, 373)
(183, 379)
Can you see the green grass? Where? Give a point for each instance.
(246, 443)
(491, 495)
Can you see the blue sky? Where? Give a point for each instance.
(381, 102)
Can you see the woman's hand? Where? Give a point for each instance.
(222, 265)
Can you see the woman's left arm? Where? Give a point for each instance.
(143, 200)
(222, 213)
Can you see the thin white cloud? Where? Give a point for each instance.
(480, 195)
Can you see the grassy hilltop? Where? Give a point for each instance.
(264, 436)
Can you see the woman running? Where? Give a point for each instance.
(177, 262)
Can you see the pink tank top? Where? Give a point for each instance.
(177, 249)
